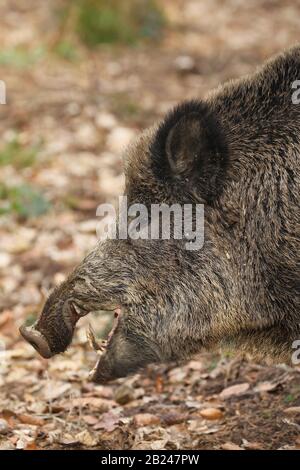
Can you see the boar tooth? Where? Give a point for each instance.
(77, 309)
(92, 372)
(90, 334)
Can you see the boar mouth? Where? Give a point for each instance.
(101, 347)
(73, 313)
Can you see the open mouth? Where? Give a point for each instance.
(102, 346)
(71, 314)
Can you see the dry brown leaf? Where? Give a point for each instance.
(69, 440)
(101, 404)
(151, 438)
(197, 425)
(31, 446)
(33, 420)
(91, 420)
(159, 444)
(252, 445)
(230, 446)
(292, 410)
(170, 419)
(195, 365)
(108, 422)
(87, 439)
(266, 387)
(234, 390)
(145, 419)
(10, 417)
(211, 413)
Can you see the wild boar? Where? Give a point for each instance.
(237, 152)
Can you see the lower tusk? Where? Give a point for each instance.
(91, 337)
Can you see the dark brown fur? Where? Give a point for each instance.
(238, 153)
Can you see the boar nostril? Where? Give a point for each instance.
(37, 340)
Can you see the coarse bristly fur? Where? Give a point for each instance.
(237, 152)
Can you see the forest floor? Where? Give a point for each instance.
(67, 120)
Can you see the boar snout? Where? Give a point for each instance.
(37, 340)
(53, 331)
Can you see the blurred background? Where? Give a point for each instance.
(82, 78)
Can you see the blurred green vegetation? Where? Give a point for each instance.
(71, 201)
(114, 21)
(32, 317)
(24, 201)
(93, 22)
(289, 398)
(66, 50)
(19, 57)
(19, 156)
(124, 107)
(213, 362)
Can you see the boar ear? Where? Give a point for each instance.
(193, 148)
